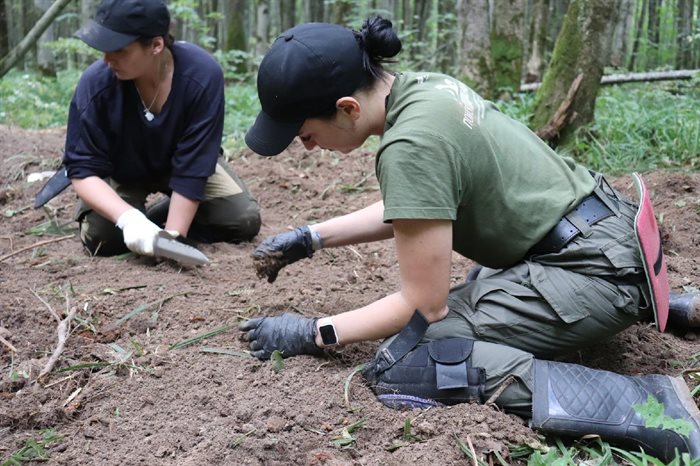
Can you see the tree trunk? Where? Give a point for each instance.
(621, 33)
(287, 14)
(4, 48)
(262, 30)
(506, 39)
(557, 11)
(475, 67)
(44, 22)
(538, 36)
(447, 37)
(234, 25)
(582, 49)
(638, 31)
(313, 10)
(341, 11)
(44, 58)
(684, 28)
(653, 34)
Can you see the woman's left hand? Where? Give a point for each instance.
(289, 334)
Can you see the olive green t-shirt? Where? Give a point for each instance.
(446, 153)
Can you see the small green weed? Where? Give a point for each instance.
(345, 439)
(653, 414)
(33, 450)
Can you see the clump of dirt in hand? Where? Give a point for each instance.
(269, 265)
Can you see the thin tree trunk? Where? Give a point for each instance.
(538, 36)
(581, 52)
(234, 25)
(4, 48)
(447, 37)
(684, 21)
(621, 33)
(287, 14)
(653, 33)
(262, 30)
(45, 58)
(506, 43)
(44, 22)
(475, 67)
(313, 10)
(341, 11)
(639, 30)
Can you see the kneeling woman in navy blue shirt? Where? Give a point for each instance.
(149, 118)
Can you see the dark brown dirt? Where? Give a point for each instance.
(187, 406)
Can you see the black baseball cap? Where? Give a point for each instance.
(118, 23)
(307, 69)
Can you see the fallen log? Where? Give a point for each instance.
(631, 77)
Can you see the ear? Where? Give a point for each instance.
(349, 106)
(158, 45)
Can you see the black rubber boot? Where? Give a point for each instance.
(684, 310)
(573, 400)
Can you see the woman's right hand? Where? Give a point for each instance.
(282, 249)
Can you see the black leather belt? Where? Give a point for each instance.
(591, 210)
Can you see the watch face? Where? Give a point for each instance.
(328, 335)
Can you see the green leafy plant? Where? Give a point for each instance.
(33, 450)
(346, 439)
(653, 414)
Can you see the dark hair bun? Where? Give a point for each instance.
(379, 39)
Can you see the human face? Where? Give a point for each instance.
(339, 133)
(131, 61)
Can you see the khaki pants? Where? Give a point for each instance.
(228, 212)
(549, 305)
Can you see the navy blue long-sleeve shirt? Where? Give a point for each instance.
(109, 136)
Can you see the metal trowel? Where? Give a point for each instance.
(166, 245)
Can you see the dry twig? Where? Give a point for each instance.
(35, 245)
(8, 344)
(63, 331)
(471, 447)
(48, 306)
(492, 399)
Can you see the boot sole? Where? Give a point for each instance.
(686, 399)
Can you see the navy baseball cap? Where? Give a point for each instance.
(307, 69)
(118, 23)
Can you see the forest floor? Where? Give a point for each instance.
(136, 401)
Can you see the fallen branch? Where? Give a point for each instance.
(35, 245)
(63, 331)
(555, 124)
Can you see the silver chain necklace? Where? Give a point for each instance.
(147, 110)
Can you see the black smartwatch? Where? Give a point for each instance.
(329, 337)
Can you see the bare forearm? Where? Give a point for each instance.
(181, 213)
(100, 196)
(363, 226)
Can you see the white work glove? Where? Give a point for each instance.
(139, 232)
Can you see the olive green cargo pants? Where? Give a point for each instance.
(549, 305)
(228, 212)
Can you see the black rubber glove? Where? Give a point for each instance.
(280, 250)
(289, 334)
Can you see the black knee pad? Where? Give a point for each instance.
(439, 372)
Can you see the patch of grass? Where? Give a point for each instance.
(200, 338)
(33, 450)
(33, 101)
(155, 305)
